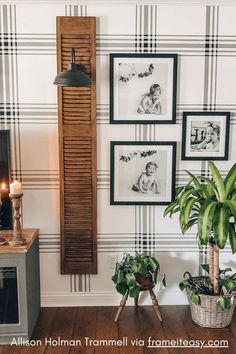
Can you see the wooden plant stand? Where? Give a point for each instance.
(125, 297)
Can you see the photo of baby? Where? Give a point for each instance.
(205, 136)
(142, 172)
(147, 181)
(143, 88)
(151, 102)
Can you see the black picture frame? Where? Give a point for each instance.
(132, 104)
(205, 135)
(125, 179)
(5, 174)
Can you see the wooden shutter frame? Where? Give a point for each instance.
(78, 26)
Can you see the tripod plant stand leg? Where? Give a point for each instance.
(122, 305)
(155, 304)
(136, 301)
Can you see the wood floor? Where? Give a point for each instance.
(97, 323)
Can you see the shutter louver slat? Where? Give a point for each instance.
(76, 106)
(77, 138)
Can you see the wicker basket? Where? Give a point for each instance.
(209, 314)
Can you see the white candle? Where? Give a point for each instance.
(3, 187)
(15, 188)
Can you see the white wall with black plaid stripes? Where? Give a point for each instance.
(203, 36)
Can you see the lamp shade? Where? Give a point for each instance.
(74, 76)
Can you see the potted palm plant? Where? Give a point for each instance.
(211, 205)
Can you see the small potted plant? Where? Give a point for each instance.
(211, 205)
(134, 274)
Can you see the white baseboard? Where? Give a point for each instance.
(108, 299)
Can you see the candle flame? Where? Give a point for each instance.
(3, 186)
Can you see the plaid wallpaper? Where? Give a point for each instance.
(204, 37)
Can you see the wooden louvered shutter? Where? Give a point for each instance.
(77, 145)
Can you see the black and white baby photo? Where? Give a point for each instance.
(142, 174)
(205, 136)
(142, 89)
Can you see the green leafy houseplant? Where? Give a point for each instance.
(211, 205)
(136, 273)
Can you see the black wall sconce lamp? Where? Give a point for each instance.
(74, 76)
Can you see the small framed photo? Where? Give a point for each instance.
(205, 135)
(142, 172)
(143, 88)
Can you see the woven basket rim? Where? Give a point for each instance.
(215, 296)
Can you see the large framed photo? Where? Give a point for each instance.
(142, 172)
(143, 88)
(205, 135)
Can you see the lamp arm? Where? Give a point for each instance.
(73, 55)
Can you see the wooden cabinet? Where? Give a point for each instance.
(19, 288)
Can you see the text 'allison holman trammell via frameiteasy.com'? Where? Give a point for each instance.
(122, 342)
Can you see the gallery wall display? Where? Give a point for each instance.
(205, 135)
(143, 88)
(142, 172)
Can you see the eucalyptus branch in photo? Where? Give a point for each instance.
(141, 154)
(131, 72)
(146, 73)
(127, 76)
